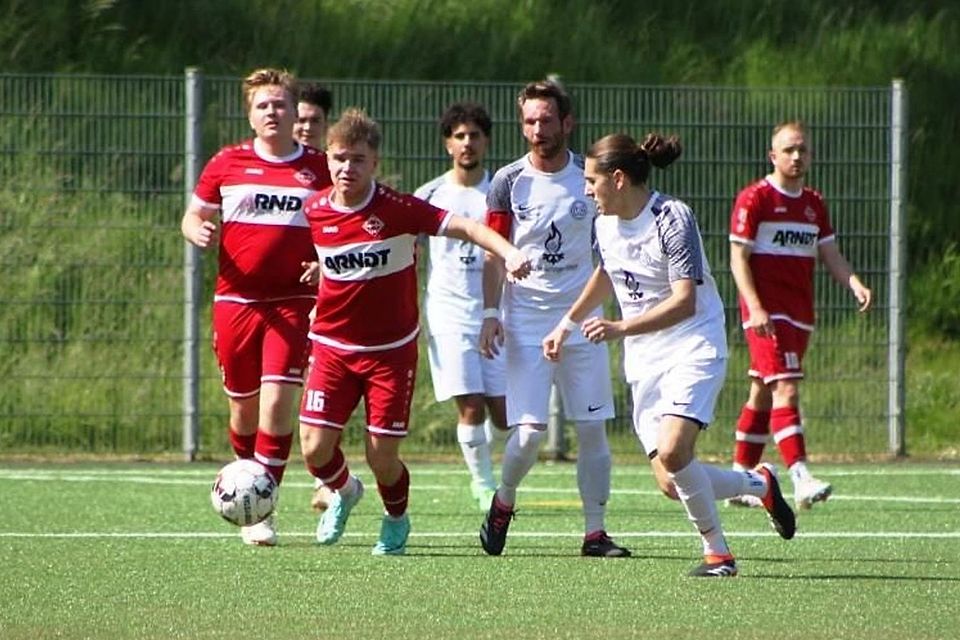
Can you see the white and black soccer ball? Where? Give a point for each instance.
(244, 493)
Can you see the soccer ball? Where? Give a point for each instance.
(244, 493)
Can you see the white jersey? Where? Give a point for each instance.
(453, 303)
(552, 221)
(642, 257)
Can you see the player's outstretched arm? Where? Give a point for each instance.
(843, 273)
(198, 225)
(517, 264)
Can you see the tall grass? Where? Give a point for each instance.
(740, 42)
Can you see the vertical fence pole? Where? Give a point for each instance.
(191, 269)
(898, 250)
(556, 448)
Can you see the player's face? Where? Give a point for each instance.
(601, 187)
(311, 125)
(790, 154)
(271, 113)
(467, 145)
(545, 132)
(352, 169)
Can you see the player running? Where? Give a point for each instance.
(675, 350)
(249, 203)
(364, 334)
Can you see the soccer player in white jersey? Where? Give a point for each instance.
(539, 204)
(255, 190)
(365, 331)
(453, 303)
(778, 229)
(675, 351)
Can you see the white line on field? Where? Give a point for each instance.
(940, 535)
(152, 480)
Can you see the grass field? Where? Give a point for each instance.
(135, 551)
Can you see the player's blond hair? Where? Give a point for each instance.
(268, 77)
(796, 125)
(355, 127)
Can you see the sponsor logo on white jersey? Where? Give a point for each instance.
(552, 245)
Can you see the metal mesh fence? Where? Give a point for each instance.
(91, 193)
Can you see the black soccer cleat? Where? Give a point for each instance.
(725, 568)
(493, 531)
(603, 546)
(778, 510)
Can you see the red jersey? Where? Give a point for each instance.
(264, 235)
(368, 289)
(784, 232)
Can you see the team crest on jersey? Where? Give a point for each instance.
(373, 225)
(578, 210)
(742, 214)
(305, 177)
(633, 287)
(552, 245)
(810, 213)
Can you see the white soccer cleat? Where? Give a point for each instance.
(806, 492)
(746, 500)
(263, 534)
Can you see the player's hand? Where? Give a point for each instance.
(598, 330)
(311, 273)
(204, 234)
(518, 265)
(761, 323)
(491, 337)
(863, 295)
(553, 343)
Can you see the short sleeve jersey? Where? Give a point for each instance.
(367, 300)
(784, 232)
(454, 297)
(552, 221)
(264, 235)
(642, 257)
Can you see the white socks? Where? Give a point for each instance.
(728, 483)
(476, 453)
(593, 473)
(696, 492)
(519, 456)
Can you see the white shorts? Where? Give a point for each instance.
(688, 390)
(458, 368)
(582, 376)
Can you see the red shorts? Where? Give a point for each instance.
(779, 357)
(338, 379)
(261, 342)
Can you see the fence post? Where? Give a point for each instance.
(193, 82)
(898, 250)
(556, 448)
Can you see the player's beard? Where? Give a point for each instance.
(549, 149)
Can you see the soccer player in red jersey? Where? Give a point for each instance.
(778, 229)
(249, 202)
(364, 334)
(313, 112)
